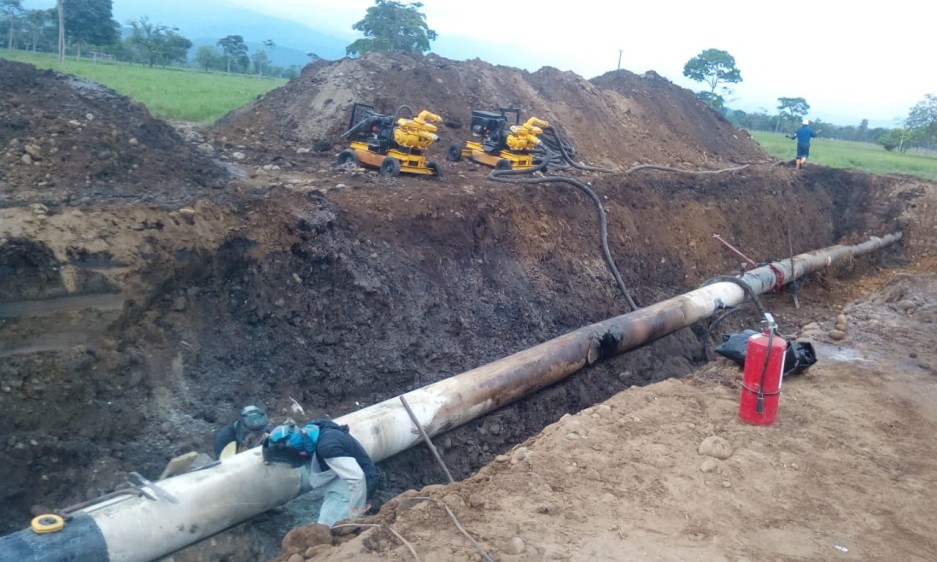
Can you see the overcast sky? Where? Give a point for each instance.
(849, 60)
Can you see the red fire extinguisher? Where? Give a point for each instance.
(761, 383)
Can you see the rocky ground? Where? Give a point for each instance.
(157, 277)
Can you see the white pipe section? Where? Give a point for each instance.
(211, 500)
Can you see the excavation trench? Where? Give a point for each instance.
(344, 299)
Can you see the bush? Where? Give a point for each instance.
(891, 140)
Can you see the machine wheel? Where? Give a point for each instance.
(390, 167)
(503, 164)
(455, 153)
(346, 156)
(434, 167)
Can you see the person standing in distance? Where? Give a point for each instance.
(246, 432)
(803, 136)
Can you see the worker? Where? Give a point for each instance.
(803, 136)
(331, 460)
(246, 432)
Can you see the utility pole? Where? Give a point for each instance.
(619, 59)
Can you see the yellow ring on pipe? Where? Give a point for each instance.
(48, 523)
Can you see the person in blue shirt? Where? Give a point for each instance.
(803, 136)
(331, 460)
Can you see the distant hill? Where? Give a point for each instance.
(279, 55)
(205, 21)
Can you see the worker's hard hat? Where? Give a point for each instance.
(253, 418)
(806, 121)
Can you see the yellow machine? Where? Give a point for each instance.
(391, 143)
(501, 145)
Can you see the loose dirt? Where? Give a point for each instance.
(206, 268)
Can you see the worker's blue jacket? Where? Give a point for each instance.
(804, 134)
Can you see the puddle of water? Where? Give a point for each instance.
(845, 354)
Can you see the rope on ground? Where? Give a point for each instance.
(388, 527)
(458, 525)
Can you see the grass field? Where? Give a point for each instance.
(169, 93)
(865, 157)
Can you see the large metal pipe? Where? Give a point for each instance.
(132, 528)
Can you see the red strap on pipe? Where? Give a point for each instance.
(778, 275)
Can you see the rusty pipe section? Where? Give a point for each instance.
(385, 428)
(134, 528)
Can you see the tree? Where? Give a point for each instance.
(862, 130)
(714, 101)
(235, 51)
(208, 58)
(11, 9)
(392, 26)
(60, 8)
(922, 121)
(90, 22)
(714, 67)
(260, 58)
(892, 139)
(792, 109)
(37, 24)
(157, 43)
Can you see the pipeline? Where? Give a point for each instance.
(131, 528)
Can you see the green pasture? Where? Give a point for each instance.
(169, 93)
(862, 156)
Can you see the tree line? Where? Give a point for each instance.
(88, 26)
(717, 70)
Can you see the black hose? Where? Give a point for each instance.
(748, 292)
(760, 402)
(745, 287)
(558, 143)
(712, 325)
(678, 170)
(565, 155)
(502, 176)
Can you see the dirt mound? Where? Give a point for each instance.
(67, 139)
(617, 120)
